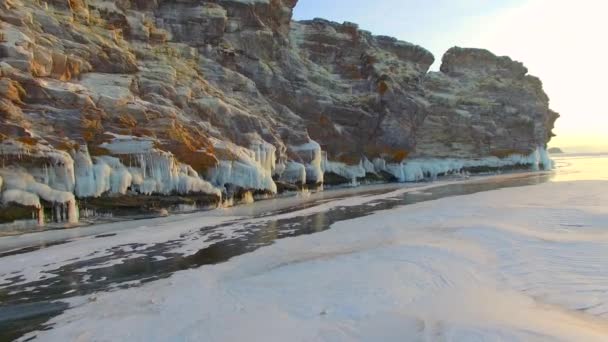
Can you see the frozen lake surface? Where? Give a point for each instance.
(379, 250)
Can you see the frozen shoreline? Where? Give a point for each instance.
(12, 242)
(64, 247)
(505, 264)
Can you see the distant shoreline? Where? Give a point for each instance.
(580, 154)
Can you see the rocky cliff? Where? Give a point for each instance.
(188, 100)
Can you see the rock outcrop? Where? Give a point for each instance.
(555, 150)
(140, 98)
(483, 105)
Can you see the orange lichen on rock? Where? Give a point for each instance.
(324, 120)
(201, 160)
(142, 132)
(11, 90)
(189, 146)
(95, 150)
(399, 155)
(126, 121)
(92, 127)
(349, 159)
(66, 145)
(64, 67)
(79, 9)
(382, 87)
(30, 141)
(391, 155)
(158, 35)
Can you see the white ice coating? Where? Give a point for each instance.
(120, 179)
(25, 198)
(419, 169)
(146, 170)
(249, 168)
(265, 155)
(149, 171)
(58, 170)
(52, 182)
(294, 173)
(351, 172)
(21, 197)
(22, 188)
(312, 157)
(414, 170)
(61, 176)
(107, 174)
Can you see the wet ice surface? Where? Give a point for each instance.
(35, 285)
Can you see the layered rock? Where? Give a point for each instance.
(483, 105)
(143, 98)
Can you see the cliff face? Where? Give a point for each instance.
(481, 104)
(141, 98)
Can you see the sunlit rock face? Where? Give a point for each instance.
(359, 95)
(482, 105)
(168, 97)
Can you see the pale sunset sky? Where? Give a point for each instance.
(563, 42)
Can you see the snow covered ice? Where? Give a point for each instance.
(522, 264)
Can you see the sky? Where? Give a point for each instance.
(561, 41)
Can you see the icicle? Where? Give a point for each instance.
(312, 156)
(57, 217)
(154, 171)
(40, 216)
(73, 212)
(247, 198)
(250, 169)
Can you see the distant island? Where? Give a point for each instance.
(555, 150)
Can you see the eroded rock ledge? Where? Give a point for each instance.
(193, 100)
